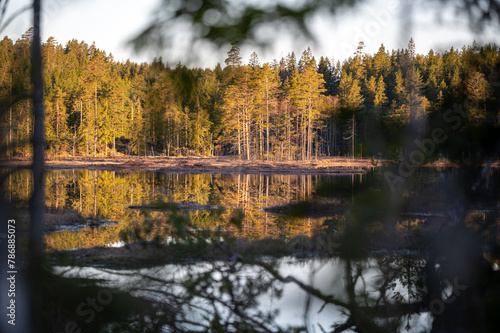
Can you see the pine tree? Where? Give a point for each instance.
(350, 93)
(478, 91)
(233, 59)
(254, 61)
(306, 88)
(56, 131)
(6, 97)
(381, 62)
(238, 109)
(265, 82)
(95, 75)
(21, 89)
(351, 102)
(380, 97)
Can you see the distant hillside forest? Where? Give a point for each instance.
(292, 108)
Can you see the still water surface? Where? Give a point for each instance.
(104, 198)
(292, 306)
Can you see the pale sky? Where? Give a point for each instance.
(111, 23)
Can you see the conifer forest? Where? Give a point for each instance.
(297, 107)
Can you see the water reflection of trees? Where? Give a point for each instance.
(105, 195)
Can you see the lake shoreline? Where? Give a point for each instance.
(324, 165)
(215, 165)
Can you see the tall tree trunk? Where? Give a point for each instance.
(28, 135)
(261, 138)
(186, 134)
(11, 154)
(10, 120)
(244, 133)
(37, 199)
(57, 126)
(132, 121)
(289, 132)
(353, 135)
(247, 121)
(81, 113)
(297, 137)
(267, 125)
(57, 117)
(57, 190)
(95, 193)
(309, 133)
(303, 127)
(317, 147)
(95, 118)
(132, 135)
(239, 137)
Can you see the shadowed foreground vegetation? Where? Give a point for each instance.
(408, 252)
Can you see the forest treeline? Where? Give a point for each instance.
(291, 108)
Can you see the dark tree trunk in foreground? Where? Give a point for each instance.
(37, 199)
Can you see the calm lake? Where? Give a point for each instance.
(104, 198)
(88, 208)
(287, 303)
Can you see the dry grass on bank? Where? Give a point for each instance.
(204, 164)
